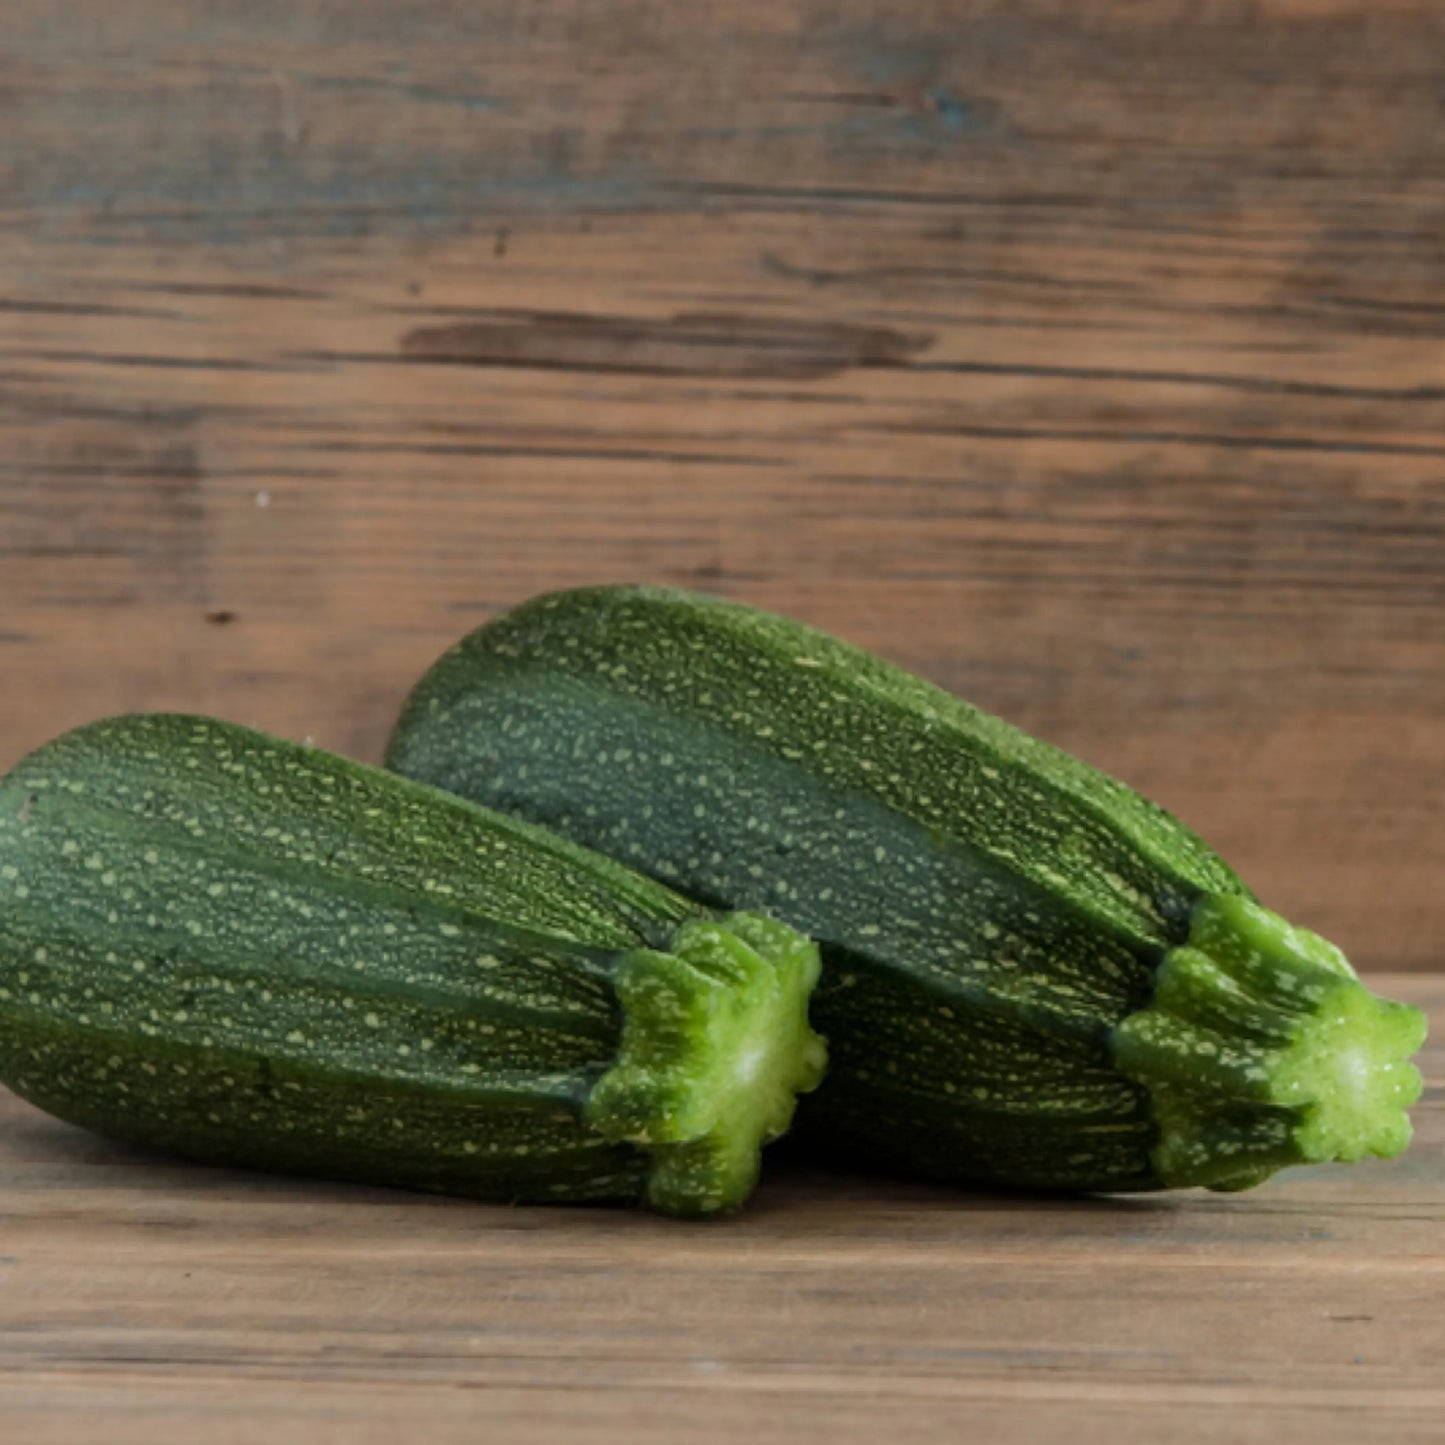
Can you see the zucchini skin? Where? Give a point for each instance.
(256, 953)
(991, 910)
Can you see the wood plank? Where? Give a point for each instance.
(140, 1296)
(1089, 358)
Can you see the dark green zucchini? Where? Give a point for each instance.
(1032, 975)
(256, 953)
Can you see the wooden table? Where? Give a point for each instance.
(143, 1300)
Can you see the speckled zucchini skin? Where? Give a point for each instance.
(990, 909)
(256, 953)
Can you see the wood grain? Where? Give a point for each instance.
(141, 1298)
(1089, 358)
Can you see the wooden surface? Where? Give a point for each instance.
(143, 1299)
(1088, 357)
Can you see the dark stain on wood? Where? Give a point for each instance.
(159, 362)
(687, 344)
(240, 290)
(556, 447)
(24, 307)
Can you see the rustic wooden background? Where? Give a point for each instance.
(1087, 357)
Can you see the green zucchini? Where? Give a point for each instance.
(1032, 975)
(252, 952)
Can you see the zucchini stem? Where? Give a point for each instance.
(1262, 1049)
(715, 1048)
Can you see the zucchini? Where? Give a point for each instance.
(1032, 975)
(252, 952)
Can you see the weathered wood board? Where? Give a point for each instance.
(1089, 358)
